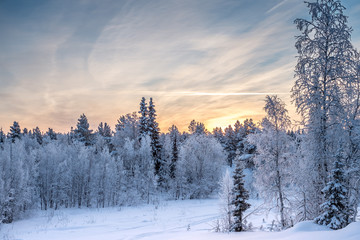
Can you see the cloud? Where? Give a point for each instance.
(211, 60)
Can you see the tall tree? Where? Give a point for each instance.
(143, 120)
(230, 144)
(324, 53)
(174, 136)
(15, 132)
(38, 135)
(2, 136)
(226, 205)
(154, 132)
(272, 159)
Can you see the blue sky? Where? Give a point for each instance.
(208, 60)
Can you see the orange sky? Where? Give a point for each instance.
(209, 60)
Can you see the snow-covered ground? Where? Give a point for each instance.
(189, 219)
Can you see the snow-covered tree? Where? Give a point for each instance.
(126, 128)
(15, 132)
(199, 168)
(226, 204)
(324, 54)
(240, 197)
(197, 127)
(230, 144)
(2, 136)
(143, 119)
(51, 134)
(335, 209)
(174, 135)
(273, 156)
(38, 135)
(82, 131)
(154, 132)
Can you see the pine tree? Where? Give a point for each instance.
(82, 131)
(37, 134)
(174, 133)
(154, 132)
(197, 127)
(335, 209)
(51, 133)
(104, 130)
(15, 132)
(2, 136)
(143, 120)
(240, 197)
(230, 145)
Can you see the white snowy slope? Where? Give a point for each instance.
(190, 219)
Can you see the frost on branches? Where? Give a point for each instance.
(336, 213)
(240, 197)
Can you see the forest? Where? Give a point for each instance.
(307, 170)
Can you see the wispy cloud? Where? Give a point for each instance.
(212, 60)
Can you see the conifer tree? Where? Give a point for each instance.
(174, 133)
(240, 197)
(230, 145)
(82, 131)
(104, 130)
(154, 132)
(37, 134)
(2, 136)
(51, 133)
(143, 120)
(335, 209)
(15, 132)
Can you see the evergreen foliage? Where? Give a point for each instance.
(38, 135)
(154, 132)
(52, 134)
(15, 132)
(143, 119)
(240, 197)
(335, 209)
(82, 131)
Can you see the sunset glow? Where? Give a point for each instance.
(213, 61)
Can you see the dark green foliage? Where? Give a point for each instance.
(15, 132)
(335, 209)
(240, 197)
(82, 131)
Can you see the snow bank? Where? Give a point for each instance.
(173, 220)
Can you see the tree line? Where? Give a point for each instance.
(308, 170)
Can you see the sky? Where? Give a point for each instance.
(209, 60)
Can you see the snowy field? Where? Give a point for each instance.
(190, 219)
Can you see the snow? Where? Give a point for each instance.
(171, 220)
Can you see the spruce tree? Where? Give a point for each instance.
(154, 132)
(51, 134)
(15, 132)
(174, 133)
(104, 130)
(230, 145)
(335, 209)
(2, 136)
(143, 120)
(240, 197)
(82, 131)
(37, 134)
